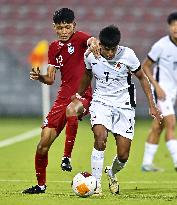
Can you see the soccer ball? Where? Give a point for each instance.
(84, 184)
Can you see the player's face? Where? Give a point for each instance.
(64, 30)
(107, 52)
(173, 29)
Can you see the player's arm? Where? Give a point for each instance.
(147, 67)
(87, 77)
(48, 79)
(145, 84)
(85, 82)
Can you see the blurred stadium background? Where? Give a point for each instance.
(23, 23)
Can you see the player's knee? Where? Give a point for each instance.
(43, 150)
(171, 126)
(100, 145)
(70, 111)
(157, 129)
(123, 156)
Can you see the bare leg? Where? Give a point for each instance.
(171, 142)
(151, 146)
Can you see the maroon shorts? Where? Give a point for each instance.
(57, 115)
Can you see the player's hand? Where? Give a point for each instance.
(51, 72)
(155, 113)
(76, 96)
(35, 74)
(95, 48)
(160, 93)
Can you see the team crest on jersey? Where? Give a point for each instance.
(117, 65)
(70, 48)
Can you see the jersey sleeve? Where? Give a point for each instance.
(133, 62)
(155, 52)
(51, 56)
(87, 61)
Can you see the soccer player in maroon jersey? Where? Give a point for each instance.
(67, 55)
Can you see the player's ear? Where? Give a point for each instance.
(74, 25)
(54, 26)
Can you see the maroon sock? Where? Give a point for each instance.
(71, 131)
(41, 162)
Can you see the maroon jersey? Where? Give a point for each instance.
(68, 57)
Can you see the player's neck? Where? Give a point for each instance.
(68, 39)
(174, 40)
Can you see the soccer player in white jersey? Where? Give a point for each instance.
(113, 105)
(163, 55)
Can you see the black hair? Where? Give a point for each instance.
(110, 36)
(64, 15)
(172, 17)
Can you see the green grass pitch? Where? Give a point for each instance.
(137, 187)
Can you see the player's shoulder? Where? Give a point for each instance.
(54, 44)
(162, 41)
(127, 56)
(126, 51)
(82, 34)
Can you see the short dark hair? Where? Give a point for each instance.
(172, 17)
(110, 36)
(64, 15)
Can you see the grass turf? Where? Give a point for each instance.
(137, 187)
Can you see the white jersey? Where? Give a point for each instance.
(113, 78)
(164, 54)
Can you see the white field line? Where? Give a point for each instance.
(19, 138)
(123, 182)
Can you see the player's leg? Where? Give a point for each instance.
(167, 109)
(48, 135)
(119, 162)
(101, 121)
(73, 110)
(97, 156)
(151, 146)
(52, 127)
(123, 129)
(171, 142)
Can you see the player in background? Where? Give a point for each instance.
(113, 104)
(67, 55)
(163, 55)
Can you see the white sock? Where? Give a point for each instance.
(172, 147)
(97, 159)
(149, 152)
(42, 187)
(116, 166)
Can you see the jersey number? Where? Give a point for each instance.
(60, 60)
(107, 76)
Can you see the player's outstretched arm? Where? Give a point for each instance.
(46, 79)
(154, 111)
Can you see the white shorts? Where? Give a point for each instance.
(117, 120)
(167, 106)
